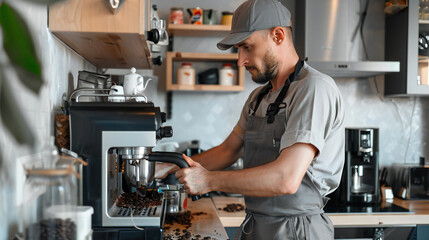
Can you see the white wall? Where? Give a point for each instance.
(60, 67)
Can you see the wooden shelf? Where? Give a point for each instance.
(197, 30)
(105, 39)
(423, 21)
(202, 57)
(205, 87)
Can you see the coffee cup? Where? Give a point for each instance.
(116, 90)
(209, 16)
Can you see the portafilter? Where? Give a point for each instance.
(140, 164)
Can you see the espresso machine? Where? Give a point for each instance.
(116, 139)
(360, 180)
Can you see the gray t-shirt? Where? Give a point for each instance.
(314, 115)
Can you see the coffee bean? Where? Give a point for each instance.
(52, 229)
(234, 207)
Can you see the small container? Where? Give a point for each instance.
(226, 18)
(210, 76)
(186, 74)
(227, 75)
(193, 148)
(195, 16)
(176, 15)
(177, 200)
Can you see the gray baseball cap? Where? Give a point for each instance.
(255, 15)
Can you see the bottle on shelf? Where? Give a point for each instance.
(227, 75)
(186, 74)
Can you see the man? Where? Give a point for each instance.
(291, 130)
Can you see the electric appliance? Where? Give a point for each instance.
(116, 139)
(360, 180)
(329, 33)
(409, 182)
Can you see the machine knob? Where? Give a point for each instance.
(163, 117)
(157, 60)
(166, 132)
(153, 35)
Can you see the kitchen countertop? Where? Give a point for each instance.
(419, 216)
(206, 225)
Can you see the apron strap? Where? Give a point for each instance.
(249, 216)
(261, 95)
(278, 104)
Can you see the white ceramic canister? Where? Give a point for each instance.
(186, 74)
(227, 75)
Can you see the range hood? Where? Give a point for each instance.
(328, 33)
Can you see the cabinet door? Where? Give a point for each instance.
(402, 33)
(95, 16)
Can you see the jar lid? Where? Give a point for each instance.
(186, 64)
(59, 171)
(50, 171)
(227, 13)
(227, 65)
(176, 9)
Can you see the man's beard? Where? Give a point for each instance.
(270, 69)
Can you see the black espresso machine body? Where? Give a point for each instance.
(360, 179)
(95, 124)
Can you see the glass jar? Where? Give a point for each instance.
(50, 198)
(186, 74)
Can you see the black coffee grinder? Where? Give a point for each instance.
(359, 182)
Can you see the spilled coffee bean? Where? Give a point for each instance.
(182, 218)
(185, 219)
(233, 207)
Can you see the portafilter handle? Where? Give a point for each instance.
(171, 157)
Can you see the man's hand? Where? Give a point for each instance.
(163, 169)
(195, 179)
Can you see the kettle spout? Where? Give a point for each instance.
(145, 85)
(141, 86)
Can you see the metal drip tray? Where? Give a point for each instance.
(129, 217)
(126, 212)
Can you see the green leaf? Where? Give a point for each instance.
(11, 115)
(18, 44)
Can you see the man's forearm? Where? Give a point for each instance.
(216, 158)
(262, 181)
(282, 176)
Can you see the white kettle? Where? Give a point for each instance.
(134, 83)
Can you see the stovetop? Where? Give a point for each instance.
(384, 208)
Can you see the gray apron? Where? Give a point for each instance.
(296, 216)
